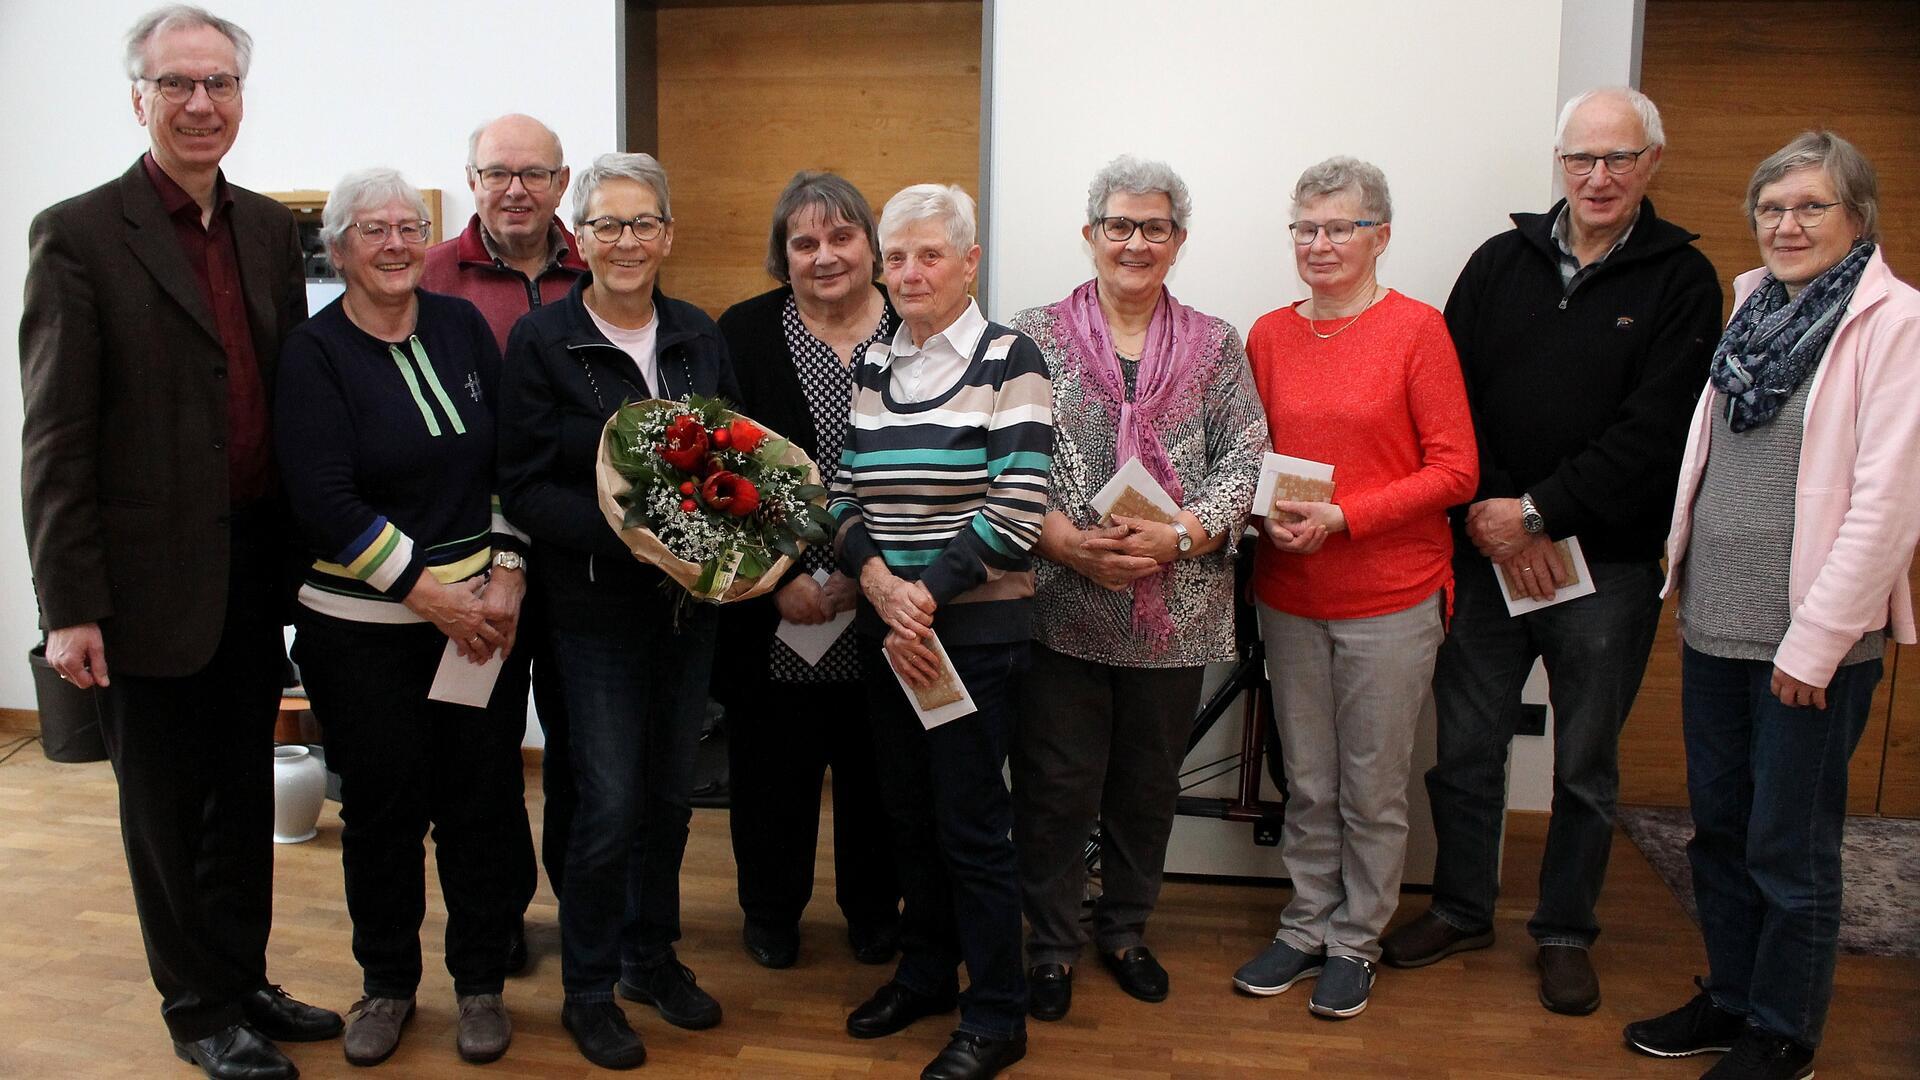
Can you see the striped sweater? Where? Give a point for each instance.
(951, 491)
(387, 453)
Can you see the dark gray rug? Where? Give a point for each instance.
(1880, 860)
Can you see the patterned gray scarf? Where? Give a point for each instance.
(1773, 342)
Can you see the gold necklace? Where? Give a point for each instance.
(1356, 318)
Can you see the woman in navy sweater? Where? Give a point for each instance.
(385, 428)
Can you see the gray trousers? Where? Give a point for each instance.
(1095, 742)
(1347, 694)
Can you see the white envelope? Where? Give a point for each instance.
(459, 682)
(1133, 475)
(1571, 554)
(811, 643)
(1273, 466)
(933, 717)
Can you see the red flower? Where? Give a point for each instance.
(730, 493)
(688, 505)
(721, 437)
(686, 443)
(745, 435)
(686, 487)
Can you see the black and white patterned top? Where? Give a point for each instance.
(828, 386)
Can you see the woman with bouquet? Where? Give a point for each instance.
(634, 675)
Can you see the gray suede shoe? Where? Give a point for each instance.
(1343, 988)
(485, 1030)
(373, 1029)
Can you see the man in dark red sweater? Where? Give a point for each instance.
(1584, 336)
(513, 257)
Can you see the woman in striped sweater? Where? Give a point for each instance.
(939, 496)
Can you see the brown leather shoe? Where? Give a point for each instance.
(1427, 939)
(1567, 982)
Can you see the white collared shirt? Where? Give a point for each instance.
(925, 371)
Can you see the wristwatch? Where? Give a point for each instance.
(1184, 539)
(510, 560)
(1530, 518)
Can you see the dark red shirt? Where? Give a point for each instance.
(216, 266)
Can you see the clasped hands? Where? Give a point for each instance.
(907, 608)
(1497, 529)
(480, 616)
(1315, 521)
(1117, 555)
(809, 603)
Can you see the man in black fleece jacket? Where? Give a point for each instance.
(1584, 334)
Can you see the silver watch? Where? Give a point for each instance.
(1184, 539)
(1530, 517)
(510, 560)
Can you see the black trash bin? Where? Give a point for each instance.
(69, 726)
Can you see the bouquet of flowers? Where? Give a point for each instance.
(717, 502)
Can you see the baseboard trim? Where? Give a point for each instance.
(20, 721)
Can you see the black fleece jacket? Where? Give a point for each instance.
(1582, 398)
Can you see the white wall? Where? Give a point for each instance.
(334, 86)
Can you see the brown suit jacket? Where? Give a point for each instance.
(124, 466)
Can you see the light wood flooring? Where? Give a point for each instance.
(75, 1000)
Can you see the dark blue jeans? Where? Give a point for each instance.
(1768, 786)
(635, 691)
(1595, 649)
(952, 816)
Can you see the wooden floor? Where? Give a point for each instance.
(76, 1001)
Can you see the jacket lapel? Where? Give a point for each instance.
(150, 236)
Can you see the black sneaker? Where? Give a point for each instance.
(670, 987)
(603, 1035)
(1759, 1054)
(1698, 1027)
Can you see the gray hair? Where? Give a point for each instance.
(640, 168)
(473, 140)
(1852, 174)
(1136, 176)
(946, 203)
(1342, 173)
(366, 189)
(834, 198)
(1642, 105)
(183, 17)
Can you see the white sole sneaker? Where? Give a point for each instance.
(1269, 991)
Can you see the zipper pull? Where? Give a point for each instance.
(1563, 303)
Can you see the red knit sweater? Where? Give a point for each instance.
(1384, 404)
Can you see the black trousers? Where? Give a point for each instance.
(531, 663)
(781, 739)
(406, 764)
(194, 759)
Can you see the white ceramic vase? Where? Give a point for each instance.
(299, 788)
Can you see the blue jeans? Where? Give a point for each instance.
(1768, 786)
(951, 814)
(635, 691)
(1595, 649)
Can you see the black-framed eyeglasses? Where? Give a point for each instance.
(413, 232)
(494, 178)
(1156, 230)
(1806, 214)
(179, 88)
(1339, 230)
(1620, 161)
(607, 230)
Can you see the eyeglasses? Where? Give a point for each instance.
(497, 179)
(179, 88)
(413, 232)
(607, 230)
(1339, 230)
(1620, 161)
(1807, 215)
(1157, 230)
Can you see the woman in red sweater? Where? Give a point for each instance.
(1352, 592)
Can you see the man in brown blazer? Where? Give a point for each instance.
(155, 309)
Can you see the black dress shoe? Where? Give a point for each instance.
(874, 942)
(276, 1016)
(771, 946)
(1050, 991)
(238, 1053)
(1138, 972)
(669, 986)
(601, 1031)
(975, 1057)
(517, 947)
(892, 1008)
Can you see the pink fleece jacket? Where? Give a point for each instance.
(1857, 498)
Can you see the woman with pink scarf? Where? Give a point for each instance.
(1128, 612)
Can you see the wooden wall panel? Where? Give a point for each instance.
(886, 94)
(1900, 767)
(1735, 79)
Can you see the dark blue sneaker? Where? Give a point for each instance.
(1343, 987)
(1276, 969)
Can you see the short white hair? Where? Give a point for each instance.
(639, 168)
(1137, 176)
(473, 140)
(183, 17)
(945, 203)
(367, 189)
(1642, 105)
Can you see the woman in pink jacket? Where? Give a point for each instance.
(1793, 533)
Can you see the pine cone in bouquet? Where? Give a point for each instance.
(717, 502)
